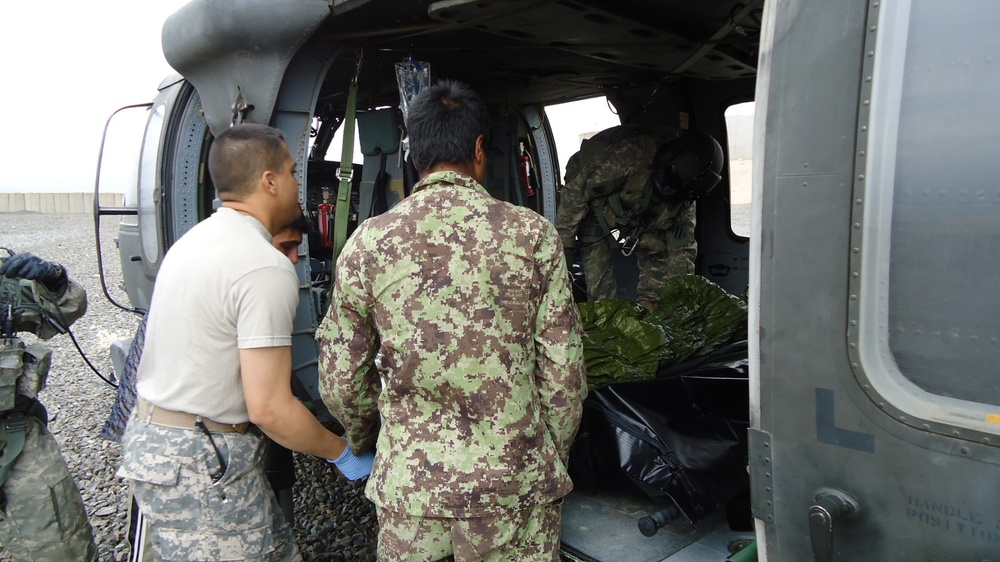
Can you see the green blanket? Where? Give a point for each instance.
(626, 342)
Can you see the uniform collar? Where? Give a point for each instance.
(448, 177)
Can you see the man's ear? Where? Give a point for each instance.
(479, 160)
(480, 149)
(267, 180)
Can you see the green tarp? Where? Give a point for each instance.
(626, 342)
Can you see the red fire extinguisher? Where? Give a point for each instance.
(524, 164)
(326, 216)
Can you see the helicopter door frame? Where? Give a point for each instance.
(101, 211)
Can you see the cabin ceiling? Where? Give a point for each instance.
(524, 51)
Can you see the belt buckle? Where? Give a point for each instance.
(628, 249)
(15, 421)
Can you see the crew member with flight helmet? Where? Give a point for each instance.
(43, 517)
(631, 190)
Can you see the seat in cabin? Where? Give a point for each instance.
(382, 185)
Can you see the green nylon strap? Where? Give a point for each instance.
(628, 223)
(12, 429)
(346, 169)
(605, 227)
(637, 210)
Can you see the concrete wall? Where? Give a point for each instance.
(59, 203)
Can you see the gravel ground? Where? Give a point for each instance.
(334, 521)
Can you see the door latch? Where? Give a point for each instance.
(829, 507)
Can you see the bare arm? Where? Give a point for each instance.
(267, 373)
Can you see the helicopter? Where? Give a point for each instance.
(868, 408)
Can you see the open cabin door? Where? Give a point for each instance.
(118, 171)
(153, 153)
(874, 320)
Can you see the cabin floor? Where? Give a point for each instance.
(602, 526)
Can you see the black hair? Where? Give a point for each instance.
(241, 154)
(303, 224)
(443, 124)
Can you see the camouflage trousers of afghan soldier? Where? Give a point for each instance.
(44, 519)
(528, 535)
(660, 254)
(191, 516)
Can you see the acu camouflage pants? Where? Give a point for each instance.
(44, 519)
(192, 517)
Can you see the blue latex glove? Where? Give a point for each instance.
(352, 466)
(29, 266)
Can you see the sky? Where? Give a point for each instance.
(66, 66)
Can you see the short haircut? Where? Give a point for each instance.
(241, 154)
(443, 124)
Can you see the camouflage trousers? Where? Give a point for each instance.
(44, 519)
(528, 535)
(192, 516)
(660, 255)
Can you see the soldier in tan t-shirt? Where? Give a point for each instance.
(217, 356)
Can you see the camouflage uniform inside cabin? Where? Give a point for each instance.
(609, 204)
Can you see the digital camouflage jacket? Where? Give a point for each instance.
(466, 301)
(607, 190)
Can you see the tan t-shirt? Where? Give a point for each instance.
(222, 287)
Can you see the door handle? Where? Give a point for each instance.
(829, 507)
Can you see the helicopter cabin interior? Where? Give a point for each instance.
(668, 66)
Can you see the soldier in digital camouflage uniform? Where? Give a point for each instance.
(43, 518)
(641, 187)
(217, 355)
(466, 300)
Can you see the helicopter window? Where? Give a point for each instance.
(120, 155)
(148, 185)
(336, 148)
(574, 121)
(739, 131)
(930, 320)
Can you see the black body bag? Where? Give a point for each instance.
(680, 438)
